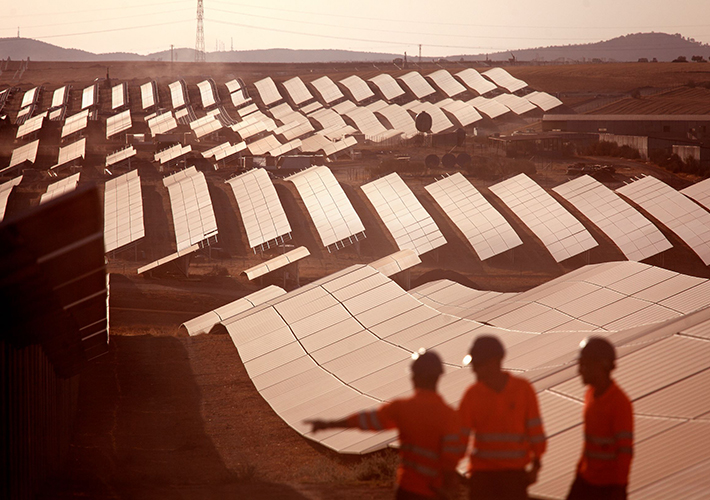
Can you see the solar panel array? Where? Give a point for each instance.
(417, 84)
(118, 96)
(633, 233)
(120, 155)
(505, 80)
(88, 97)
(357, 88)
(543, 100)
(5, 191)
(207, 94)
(608, 297)
(440, 122)
(516, 104)
(75, 123)
(60, 187)
(276, 263)
(59, 97)
(475, 81)
(224, 150)
(445, 82)
(387, 85)
(177, 94)
(327, 90)
(396, 117)
(396, 262)
(460, 113)
(268, 92)
(118, 123)
(162, 123)
(330, 209)
(690, 222)
(206, 125)
(123, 211)
(489, 107)
(404, 216)
(71, 152)
(262, 214)
(342, 344)
(562, 234)
(148, 95)
(31, 125)
(297, 91)
(171, 153)
(485, 229)
(191, 206)
(28, 152)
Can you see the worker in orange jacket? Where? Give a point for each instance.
(501, 411)
(430, 437)
(603, 470)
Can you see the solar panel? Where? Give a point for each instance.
(59, 97)
(205, 323)
(276, 263)
(485, 229)
(368, 124)
(60, 187)
(327, 90)
(635, 235)
(686, 219)
(254, 124)
(5, 191)
(543, 100)
(121, 155)
(357, 88)
(207, 94)
(448, 85)
(397, 118)
(330, 209)
(224, 150)
(177, 94)
(297, 91)
(206, 125)
(474, 81)
(387, 85)
(71, 152)
(310, 108)
(88, 97)
(285, 148)
(416, 84)
(75, 123)
(118, 96)
(516, 104)
(700, 192)
(118, 123)
(29, 97)
(440, 122)
(31, 125)
(459, 112)
(262, 214)
(162, 124)
(562, 234)
(318, 142)
(171, 153)
(123, 211)
(489, 107)
(268, 93)
(404, 216)
(505, 80)
(28, 152)
(191, 206)
(148, 95)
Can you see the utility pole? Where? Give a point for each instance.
(171, 54)
(420, 53)
(200, 37)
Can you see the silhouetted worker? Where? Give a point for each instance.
(603, 470)
(429, 433)
(501, 411)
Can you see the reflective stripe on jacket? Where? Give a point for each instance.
(506, 425)
(608, 437)
(429, 435)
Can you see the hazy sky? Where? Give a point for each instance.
(442, 27)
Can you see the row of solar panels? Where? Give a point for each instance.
(343, 344)
(409, 224)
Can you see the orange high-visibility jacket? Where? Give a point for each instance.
(608, 437)
(506, 425)
(429, 435)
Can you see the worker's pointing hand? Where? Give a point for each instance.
(317, 425)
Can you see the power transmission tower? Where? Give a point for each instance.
(200, 38)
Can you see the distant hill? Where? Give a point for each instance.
(628, 48)
(662, 46)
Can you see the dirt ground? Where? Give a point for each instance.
(164, 415)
